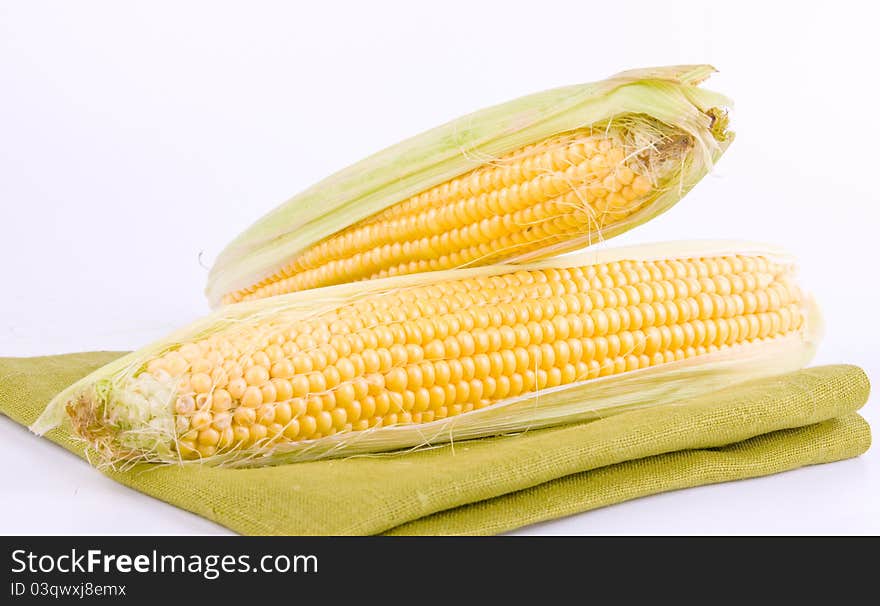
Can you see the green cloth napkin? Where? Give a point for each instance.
(492, 485)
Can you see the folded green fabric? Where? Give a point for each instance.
(492, 485)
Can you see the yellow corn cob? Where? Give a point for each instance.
(532, 199)
(314, 373)
(524, 180)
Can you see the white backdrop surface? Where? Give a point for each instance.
(137, 138)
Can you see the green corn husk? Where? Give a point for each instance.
(127, 420)
(642, 99)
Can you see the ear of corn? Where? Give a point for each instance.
(531, 178)
(426, 358)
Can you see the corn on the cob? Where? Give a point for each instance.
(535, 198)
(324, 371)
(532, 178)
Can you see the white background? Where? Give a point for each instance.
(137, 138)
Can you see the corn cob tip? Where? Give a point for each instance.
(122, 421)
(719, 124)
